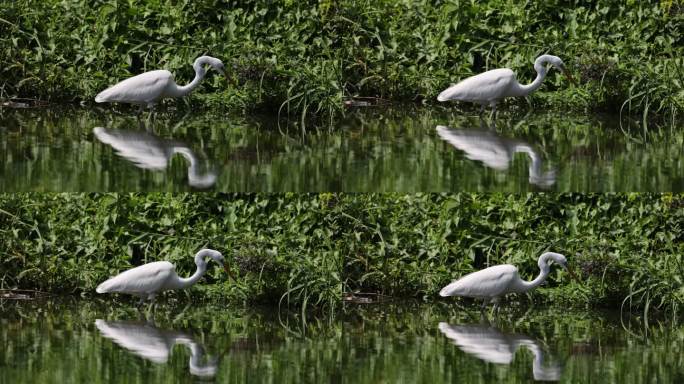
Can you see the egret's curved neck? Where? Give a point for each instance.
(195, 177)
(183, 90)
(538, 362)
(539, 370)
(524, 90)
(187, 155)
(535, 165)
(196, 353)
(201, 269)
(196, 366)
(544, 269)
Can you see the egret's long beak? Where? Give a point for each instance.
(568, 75)
(572, 274)
(229, 78)
(229, 272)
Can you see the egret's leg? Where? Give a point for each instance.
(496, 306)
(150, 307)
(150, 116)
(482, 109)
(484, 305)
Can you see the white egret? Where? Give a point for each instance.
(148, 151)
(148, 88)
(147, 280)
(154, 344)
(490, 87)
(493, 346)
(497, 152)
(493, 282)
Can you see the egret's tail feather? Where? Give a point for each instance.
(449, 290)
(104, 96)
(104, 287)
(448, 94)
(100, 98)
(102, 135)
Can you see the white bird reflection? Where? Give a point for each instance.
(496, 151)
(154, 344)
(148, 151)
(493, 346)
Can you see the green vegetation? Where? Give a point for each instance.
(306, 57)
(283, 247)
(307, 249)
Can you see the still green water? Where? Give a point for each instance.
(397, 150)
(102, 341)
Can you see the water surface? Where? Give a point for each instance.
(397, 150)
(103, 341)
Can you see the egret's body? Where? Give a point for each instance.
(491, 283)
(497, 152)
(148, 88)
(490, 87)
(154, 344)
(146, 281)
(148, 151)
(493, 346)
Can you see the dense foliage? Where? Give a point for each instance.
(308, 249)
(307, 56)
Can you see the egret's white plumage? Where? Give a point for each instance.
(488, 88)
(148, 151)
(148, 88)
(493, 282)
(147, 280)
(493, 346)
(496, 151)
(154, 344)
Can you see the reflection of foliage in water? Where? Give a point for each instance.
(393, 343)
(390, 150)
(58, 342)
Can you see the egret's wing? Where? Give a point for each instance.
(143, 340)
(141, 148)
(140, 280)
(489, 282)
(478, 145)
(141, 89)
(485, 343)
(485, 87)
